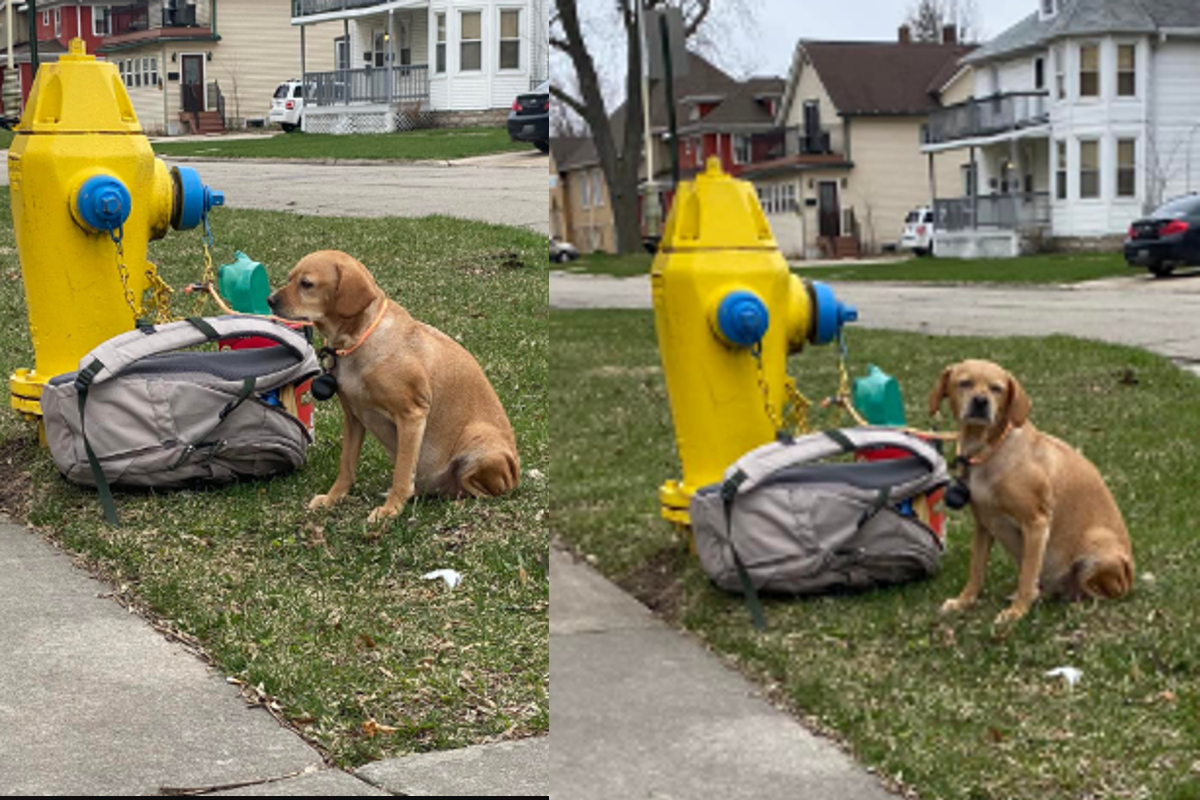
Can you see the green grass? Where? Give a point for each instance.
(324, 613)
(939, 704)
(439, 144)
(1043, 269)
(6, 138)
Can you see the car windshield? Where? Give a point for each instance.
(912, 217)
(282, 91)
(544, 88)
(1182, 207)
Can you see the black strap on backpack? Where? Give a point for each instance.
(83, 382)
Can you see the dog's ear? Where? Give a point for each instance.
(355, 289)
(1019, 404)
(940, 390)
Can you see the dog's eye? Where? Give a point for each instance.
(966, 383)
(996, 388)
(305, 283)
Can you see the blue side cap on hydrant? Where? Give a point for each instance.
(195, 199)
(831, 314)
(743, 318)
(104, 203)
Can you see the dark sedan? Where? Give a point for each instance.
(529, 120)
(1168, 238)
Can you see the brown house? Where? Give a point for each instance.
(580, 208)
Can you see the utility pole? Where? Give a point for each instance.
(669, 85)
(33, 47)
(651, 206)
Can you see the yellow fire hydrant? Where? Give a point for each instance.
(728, 313)
(88, 196)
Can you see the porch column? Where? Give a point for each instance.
(349, 60)
(974, 191)
(303, 76)
(932, 182)
(391, 55)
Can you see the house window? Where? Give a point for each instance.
(1049, 8)
(58, 23)
(510, 39)
(1060, 177)
(585, 191)
(1126, 168)
(1060, 73)
(470, 55)
(154, 71)
(1089, 169)
(45, 19)
(341, 53)
(1127, 70)
(741, 149)
(1039, 73)
(1089, 70)
(101, 21)
(379, 54)
(405, 43)
(440, 64)
(597, 195)
(121, 71)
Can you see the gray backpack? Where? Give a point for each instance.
(138, 413)
(783, 523)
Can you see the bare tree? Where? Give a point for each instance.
(928, 18)
(619, 151)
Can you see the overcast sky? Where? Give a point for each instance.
(762, 42)
(781, 22)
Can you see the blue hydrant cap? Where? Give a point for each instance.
(194, 199)
(743, 318)
(830, 314)
(104, 203)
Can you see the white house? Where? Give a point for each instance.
(406, 63)
(1085, 117)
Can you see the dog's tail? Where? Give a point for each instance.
(1107, 579)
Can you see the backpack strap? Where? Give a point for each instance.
(761, 463)
(247, 389)
(118, 353)
(729, 493)
(83, 382)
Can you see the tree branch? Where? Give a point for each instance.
(575, 105)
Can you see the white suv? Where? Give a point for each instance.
(918, 231)
(287, 106)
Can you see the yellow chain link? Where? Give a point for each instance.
(206, 278)
(794, 417)
(123, 271)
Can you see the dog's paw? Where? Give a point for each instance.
(382, 513)
(956, 604)
(1008, 616)
(322, 501)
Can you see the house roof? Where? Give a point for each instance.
(573, 152)
(882, 78)
(1089, 17)
(49, 50)
(743, 108)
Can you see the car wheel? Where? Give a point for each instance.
(287, 127)
(543, 146)
(564, 258)
(1161, 270)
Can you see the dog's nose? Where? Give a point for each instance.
(272, 300)
(980, 407)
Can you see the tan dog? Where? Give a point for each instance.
(1042, 500)
(417, 391)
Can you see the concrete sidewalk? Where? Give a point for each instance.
(640, 710)
(94, 701)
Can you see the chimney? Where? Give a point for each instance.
(905, 34)
(949, 34)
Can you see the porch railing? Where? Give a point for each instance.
(307, 8)
(1024, 212)
(988, 116)
(370, 85)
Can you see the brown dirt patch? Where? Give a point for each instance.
(658, 583)
(16, 483)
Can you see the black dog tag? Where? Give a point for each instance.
(957, 496)
(324, 386)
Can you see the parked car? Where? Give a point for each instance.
(1168, 238)
(918, 231)
(561, 252)
(529, 120)
(287, 106)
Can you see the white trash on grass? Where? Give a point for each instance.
(451, 577)
(1070, 674)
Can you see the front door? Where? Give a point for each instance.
(828, 209)
(193, 83)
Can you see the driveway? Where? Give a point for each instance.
(1158, 315)
(505, 188)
